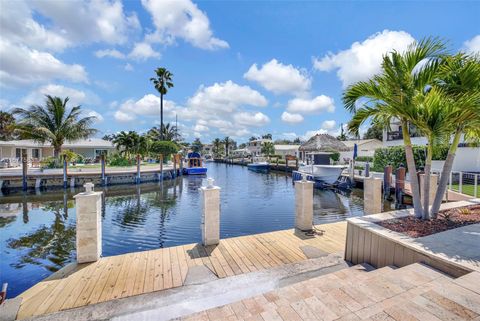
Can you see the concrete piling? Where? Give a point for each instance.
(102, 162)
(89, 225)
(304, 205)
(367, 169)
(372, 195)
(387, 181)
(138, 176)
(65, 173)
(24, 170)
(211, 213)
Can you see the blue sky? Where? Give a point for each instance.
(241, 68)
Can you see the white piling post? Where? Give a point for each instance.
(372, 195)
(211, 213)
(89, 225)
(304, 204)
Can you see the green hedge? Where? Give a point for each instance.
(364, 159)
(395, 156)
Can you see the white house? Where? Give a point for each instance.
(365, 147)
(88, 148)
(284, 150)
(467, 159)
(254, 147)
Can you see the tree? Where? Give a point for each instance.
(227, 142)
(109, 137)
(374, 132)
(217, 148)
(252, 138)
(267, 136)
(169, 133)
(342, 135)
(131, 143)
(391, 95)
(268, 149)
(459, 78)
(7, 126)
(162, 82)
(197, 145)
(54, 123)
(297, 140)
(165, 148)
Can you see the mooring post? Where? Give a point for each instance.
(161, 167)
(65, 176)
(137, 178)
(367, 169)
(89, 224)
(432, 188)
(180, 165)
(387, 181)
(400, 184)
(24, 170)
(304, 204)
(211, 213)
(174, 166)
(102, 161)
(372, 195)
(352, 171)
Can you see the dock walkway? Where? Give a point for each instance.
(137, 273)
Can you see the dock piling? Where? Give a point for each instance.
(138, 177)
(372, 195)
(89, 224)
(400, 184)
(24, 170)
(102, 161)
(210, 225)
(65, 176)
(367, 169)
(304, 204)
(387, 181)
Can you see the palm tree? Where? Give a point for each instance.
(123, 142)
(227, 142)
(54, 123)
(7, 125)
(169, 133)
(162, 82)
(391, 95)
(217, 144)
(459, 78)
(268, 148)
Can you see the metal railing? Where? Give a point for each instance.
(464, 183)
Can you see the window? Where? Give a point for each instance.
(35, 153)
(99, 152)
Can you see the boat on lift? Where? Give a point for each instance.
(194, 165)
(319, 170)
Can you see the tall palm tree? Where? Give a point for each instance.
(460, 79)
(217, 145)
(162, 82)
(227, 142)
(391, 95)
(54, 123)
(7, 125)
(169, 133)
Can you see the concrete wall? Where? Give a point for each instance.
(467, 159)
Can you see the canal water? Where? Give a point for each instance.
(37, 230)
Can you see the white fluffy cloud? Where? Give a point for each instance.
(113, 53)
(316, 105)
(328, 124)
(143, 51)
(181, 19)
(225, 97)
(92, 113)
(77, 97)
(257, 119)
(22, 65)
(291, 118)
(363, 59)
(148, 105)
(472, 45)
(279, 78)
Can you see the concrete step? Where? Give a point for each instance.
(470, 281)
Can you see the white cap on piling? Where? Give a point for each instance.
(88, 187)
(210, 181)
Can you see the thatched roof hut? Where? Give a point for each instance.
(323, 143)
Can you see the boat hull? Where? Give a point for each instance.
(327, 174)
(195, 171)
(260, 168)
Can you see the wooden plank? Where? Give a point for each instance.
(102, 280)
(167, 270)
(271, 258)
(246, 244)
(220, 271)
(149, 284)
(188, 254)
(122, 277)
(230, 260)
(112, 278)
(158, 280)
(91, 281)
(27, 308)
(205, 258)
(140, 275)
(132, 271)
(244, 264)
(246, 253)
(271, 246)
(182, 261)
(176, 273)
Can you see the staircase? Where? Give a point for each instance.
(413, 292)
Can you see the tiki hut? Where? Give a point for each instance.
(320, 147)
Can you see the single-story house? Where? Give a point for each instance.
(284, 150)
(88, 148)
(319, 147)
(365, 147)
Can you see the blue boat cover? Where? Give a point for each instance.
(193, 155)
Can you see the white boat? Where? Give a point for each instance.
(259, 166)
(328, 174)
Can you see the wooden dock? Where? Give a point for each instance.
(137, 273)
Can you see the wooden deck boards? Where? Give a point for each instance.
(143, 272)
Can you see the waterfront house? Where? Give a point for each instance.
(284, 150)
(254, 147)
(321, 146)
(467, 158)
(365, 147)
(89, 148)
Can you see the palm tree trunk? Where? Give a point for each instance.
(417, 203)
(161, 116)
(447, 168)
(426, 181)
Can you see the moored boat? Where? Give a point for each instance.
(194, 165)
(259, 167)
(327, 174)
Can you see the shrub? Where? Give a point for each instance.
(395, 156)
(335, 156)
(364, 159)
(118, 160)
(51, 162)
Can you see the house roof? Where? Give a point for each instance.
(287, 147)
(323, 143)
(359, 142)
(83, 143)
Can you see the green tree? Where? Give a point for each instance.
(169, 133)
(227, 142)
(7, 126)
(391, 95)
(374, 132)
(267, 136)
(252, 138)
(165, 148)
(131, 143)
(217, 147)
(162, 82)
(268, 149)
(197, 145)
(54, 123)
(342, 135)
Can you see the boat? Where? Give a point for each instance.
(327, 174)
(261, 167)
(193, 165)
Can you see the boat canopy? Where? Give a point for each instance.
(193, 155)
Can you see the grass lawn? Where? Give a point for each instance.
(466, 189)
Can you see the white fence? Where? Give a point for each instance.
(465, 183)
